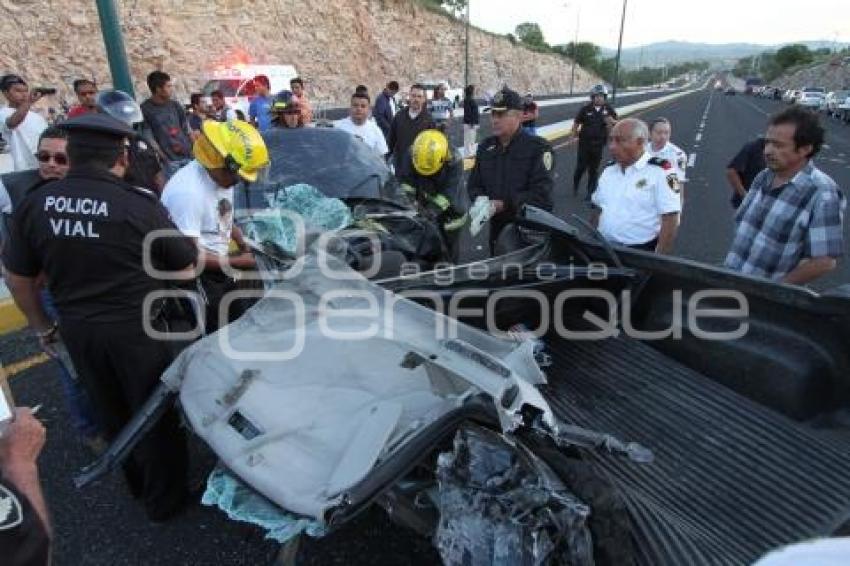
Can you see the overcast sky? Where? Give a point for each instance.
(649, 21)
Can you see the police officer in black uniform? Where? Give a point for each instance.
(86, 232)
(144, 170)
(592, 124)
(512, 168)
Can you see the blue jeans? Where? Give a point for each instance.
(78, 403)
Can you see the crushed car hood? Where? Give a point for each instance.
(301, 410)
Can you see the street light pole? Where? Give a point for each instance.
(619, 51)
(114, 42)
(466, 66)
(575, 51)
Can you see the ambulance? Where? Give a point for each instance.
(236, 82)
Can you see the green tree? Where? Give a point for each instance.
(605, 69)
(454, 7)
(792, 55)
(586, 54)
(530, 34)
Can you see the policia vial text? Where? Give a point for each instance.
(77, 206)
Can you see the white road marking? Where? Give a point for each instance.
(699, 136)
(692, 158)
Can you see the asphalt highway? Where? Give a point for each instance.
(102, 525)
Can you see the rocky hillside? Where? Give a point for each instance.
(334, 44)
(832, 75)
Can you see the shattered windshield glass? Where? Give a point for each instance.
(333, 161)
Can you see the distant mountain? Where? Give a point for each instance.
(666, 52)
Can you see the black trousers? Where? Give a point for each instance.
(217, 285)
(497, 225)
(647, 247)
(589, 158)
(119, 367)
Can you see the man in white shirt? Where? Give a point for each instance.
(358, 124)
(20, 126)
(199, 199)
(661, 147)
(637, 202)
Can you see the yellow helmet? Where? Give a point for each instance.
(430, 152)
(240, 146)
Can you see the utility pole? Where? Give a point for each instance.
(619, 52)
(466, 66)
(575, 51)
(114, 42)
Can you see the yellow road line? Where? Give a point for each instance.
(11, 318)
(25, 364)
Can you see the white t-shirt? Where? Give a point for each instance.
(633, 201)
(200, 208)
(440, 108)
(23, 140)
(677, 158)
(369, 132)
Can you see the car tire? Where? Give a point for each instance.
(610, 523)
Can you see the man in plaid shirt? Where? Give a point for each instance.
(790, 223)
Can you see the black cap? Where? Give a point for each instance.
(7, 81)
(97, 130)
(506, 99)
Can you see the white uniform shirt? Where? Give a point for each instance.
(369, 132)
(633, 201)
(23, 140)
(677, 158)
(200, 208)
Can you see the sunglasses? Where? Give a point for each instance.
(58, 158)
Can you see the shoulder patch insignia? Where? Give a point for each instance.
(548, 160)
(641, 184)
(11, 511)
(673, 182)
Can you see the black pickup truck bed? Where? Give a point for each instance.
(731, 479)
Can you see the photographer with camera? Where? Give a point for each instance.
(24, 521)
(20, 126)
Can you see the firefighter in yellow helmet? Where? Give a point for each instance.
(432, 177)
(199, 199)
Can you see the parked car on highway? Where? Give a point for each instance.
(770, 92)
(730, 91)
(844, 110)
(833, 100)
(789, 95)
(810, 99)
